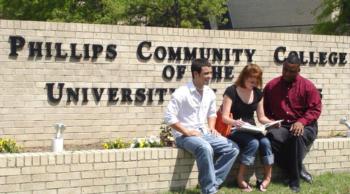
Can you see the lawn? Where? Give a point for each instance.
(328, 183)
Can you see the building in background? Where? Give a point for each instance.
(291, 16)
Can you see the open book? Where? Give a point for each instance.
(256, 129)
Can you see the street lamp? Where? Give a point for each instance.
(176, 13)
(57, 141)
(346, 123)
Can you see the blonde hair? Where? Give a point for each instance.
(251, 70)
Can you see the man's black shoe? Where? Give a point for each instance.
(295, 189)
(285, 181)
(305, 175)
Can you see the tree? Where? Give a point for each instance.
(85, 11)
(166, 13)
(27, 10)
(334, 17)
(91, 11)
(176, 13)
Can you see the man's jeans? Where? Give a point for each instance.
(211, 174)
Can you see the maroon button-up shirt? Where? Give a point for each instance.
(292, 102)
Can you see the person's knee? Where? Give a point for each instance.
(265, 143)
(234, 149)
(205, 149)
(230, 148)
(298, 139)
(253, 145)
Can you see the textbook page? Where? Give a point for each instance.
(247, 127)
(267, 125)
(256, 129)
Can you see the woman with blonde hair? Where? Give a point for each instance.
(242, 99)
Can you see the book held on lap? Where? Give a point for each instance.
(256, 129)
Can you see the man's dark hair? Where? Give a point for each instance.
(293, 58)
(197, 65)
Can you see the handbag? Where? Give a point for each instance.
(223, 128)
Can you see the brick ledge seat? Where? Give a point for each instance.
(147, 170)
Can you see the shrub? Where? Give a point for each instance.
(166, 137)
(337, 134)
(9, 146)
(147, 142)
(116, 144)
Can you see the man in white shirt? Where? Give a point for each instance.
(191, 113)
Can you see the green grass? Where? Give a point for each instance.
(328, 183)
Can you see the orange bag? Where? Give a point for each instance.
(223, 128)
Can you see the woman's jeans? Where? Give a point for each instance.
(249, 143)
(204, 148)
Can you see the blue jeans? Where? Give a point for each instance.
(249, 143)
(211, 174)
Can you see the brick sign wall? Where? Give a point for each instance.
(105, 81)
(147, 170)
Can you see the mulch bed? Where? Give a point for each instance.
(93, 146)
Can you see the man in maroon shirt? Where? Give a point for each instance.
(297, 101)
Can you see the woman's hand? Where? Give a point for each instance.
(277, 125)
(238, 123)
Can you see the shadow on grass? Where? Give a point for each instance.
(329, 183)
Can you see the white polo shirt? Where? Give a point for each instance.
(191, 109)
